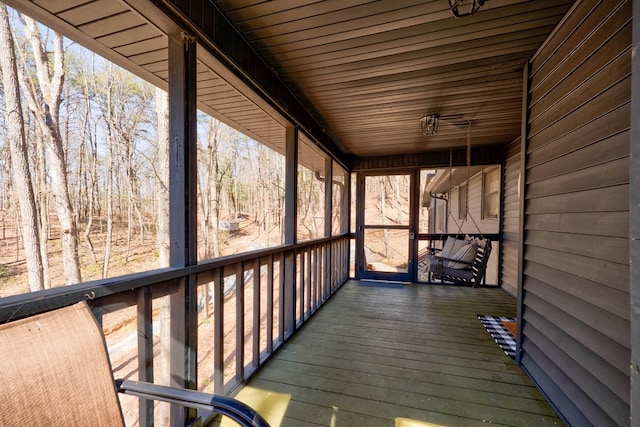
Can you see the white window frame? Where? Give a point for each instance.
(490, 189)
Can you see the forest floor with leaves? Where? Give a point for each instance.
(120, 327)
(138, 255)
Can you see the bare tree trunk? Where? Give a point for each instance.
(313, 204)
(162, 109)
(129, 220)
(133, 206)
(87, 229)
(109, 188)
(19, 239)
(43, 205)
(215, 183)
(204, 206)
(51, 84)
(109, 185)
(204, 217)
(89, 169)
(130, 191)
(140, 222)
(19, 159)
(164, 242)
(203, 227)
(383, 211)
(398, 200)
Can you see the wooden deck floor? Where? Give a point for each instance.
(373, 355)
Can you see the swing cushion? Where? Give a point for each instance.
(452, 246)
(466, 254)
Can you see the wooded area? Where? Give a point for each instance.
(84, 169)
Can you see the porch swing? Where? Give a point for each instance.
(462, 260)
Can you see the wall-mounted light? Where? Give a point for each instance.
(464, 7)
(429, 124)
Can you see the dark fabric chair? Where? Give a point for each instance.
(55, 371)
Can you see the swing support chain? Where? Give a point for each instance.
(469, 179)
(467, 214)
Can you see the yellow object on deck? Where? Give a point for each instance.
(407, 422)
(271, 405)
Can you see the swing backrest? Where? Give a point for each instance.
(472, 275)
(479, 267)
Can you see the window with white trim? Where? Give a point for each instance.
(490, 193)
(462, 201)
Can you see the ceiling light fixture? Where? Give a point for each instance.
(429, 124)
(464, 7)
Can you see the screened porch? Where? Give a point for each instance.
(360, 136)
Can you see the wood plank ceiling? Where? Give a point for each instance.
(369, 69)
(372, 69)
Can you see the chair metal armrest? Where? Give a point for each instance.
(227, 406)
(434, 251)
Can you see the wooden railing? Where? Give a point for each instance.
(252, 302)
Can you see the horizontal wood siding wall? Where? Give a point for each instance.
(511, 218)
(576, 329)
(487, 225)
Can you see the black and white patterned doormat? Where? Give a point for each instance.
(500, 333)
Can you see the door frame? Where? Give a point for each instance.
(360, 268)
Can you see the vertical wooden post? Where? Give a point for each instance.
(501, 186)
(218, 328)
(360, 257)
(257, 318)
(290, 209)
(328, 196)
(239, 322)
(414, 225)
(182, 217)
(291, 185)
(303, 294)
(270, 304)
(308, 282)
(347, 252)
(314, 276)
(523, 170)
(328, 218)
(634, 218)
(145, 352)
(281, 297)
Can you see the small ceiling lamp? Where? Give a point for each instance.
(429, 124)
(464, 7)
